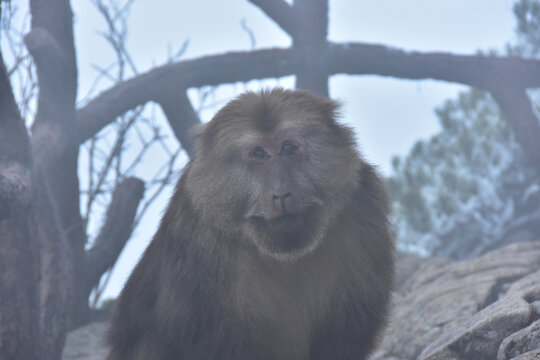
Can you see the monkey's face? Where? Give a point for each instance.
(285, 203)
(275, 169)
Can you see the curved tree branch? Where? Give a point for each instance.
(181, 117)
(518, 109)
(484, 72)
(115, 232)
(506, 78)
(209, 70)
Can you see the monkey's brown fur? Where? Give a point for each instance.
(275, 245)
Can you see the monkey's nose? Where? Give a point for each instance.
(282, 202)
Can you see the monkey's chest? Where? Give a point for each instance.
(281, 314)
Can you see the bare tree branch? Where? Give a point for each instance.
(55, 154)
(181, 116)
(51, 63)
(484, 72)
(352, 58)
(161, 183)
(209, 70)
(312, 17)
(311, 42)
(115, 153)
(506, 78)
(51, 44)
(488, 73)
(281, 12)
(518, 109)
(249, 32)
(57, 272)
(115, 232)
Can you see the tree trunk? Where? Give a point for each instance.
(19, 310)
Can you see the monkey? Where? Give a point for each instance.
(276, 243)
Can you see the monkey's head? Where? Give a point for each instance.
(274, 169)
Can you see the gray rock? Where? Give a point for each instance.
(525, 283)
(532, 355)
(86, 343)
(521, 342)
(479, 337)
(441, 297)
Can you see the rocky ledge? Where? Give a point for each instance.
(483, 308)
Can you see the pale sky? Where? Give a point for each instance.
(388, 115)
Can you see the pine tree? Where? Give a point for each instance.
(469, 188)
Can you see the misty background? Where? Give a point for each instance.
(389, 115)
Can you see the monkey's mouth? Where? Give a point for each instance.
(286, 233)
(285, 218)
(285, 221)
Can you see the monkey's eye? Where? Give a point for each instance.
(259, 154)
(288, 149)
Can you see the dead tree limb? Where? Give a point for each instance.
(115, 232)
